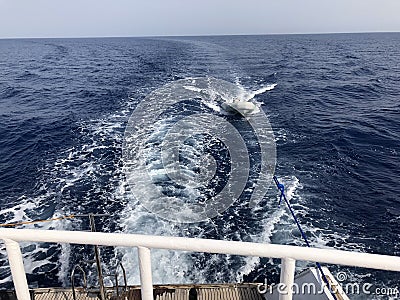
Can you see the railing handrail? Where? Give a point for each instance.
(330, 256)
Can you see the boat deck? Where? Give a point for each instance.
(245, 291)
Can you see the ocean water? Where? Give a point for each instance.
(333, 102)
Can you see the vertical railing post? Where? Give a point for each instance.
(17, 269)
(288, 267)
(146, 280)
(98, 261)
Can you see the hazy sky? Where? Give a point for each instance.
(77, 18)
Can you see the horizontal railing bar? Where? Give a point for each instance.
(330, 256)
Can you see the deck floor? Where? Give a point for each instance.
(245, 291)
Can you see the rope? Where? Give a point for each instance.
(281, 188)
(37, 221)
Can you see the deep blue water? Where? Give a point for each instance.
(335, 112)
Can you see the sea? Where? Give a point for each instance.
(332, 102)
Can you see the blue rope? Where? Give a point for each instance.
(281, 188)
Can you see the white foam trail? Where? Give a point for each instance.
(213, 105)
(192, 88)
(19, 212)
(266, 88)
(168, 266)
(135, 219)
(250, 95)
(244, 95)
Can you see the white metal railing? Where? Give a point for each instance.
(288, 254)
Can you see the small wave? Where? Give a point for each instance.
(363, 71)
(27, 75)
(9, 92)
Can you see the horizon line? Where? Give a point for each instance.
(192, 35)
